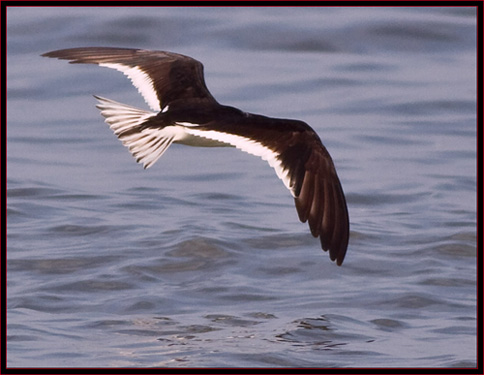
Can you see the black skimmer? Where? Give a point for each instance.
(184, 111)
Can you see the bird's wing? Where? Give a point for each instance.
(304, 165)
(162, 78)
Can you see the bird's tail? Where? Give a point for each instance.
(145, 143)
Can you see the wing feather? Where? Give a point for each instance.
(306, 169)
(163, 78)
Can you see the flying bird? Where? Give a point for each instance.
(184, 111)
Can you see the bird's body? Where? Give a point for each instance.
(184, 111)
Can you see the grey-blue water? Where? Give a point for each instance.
(201, 260)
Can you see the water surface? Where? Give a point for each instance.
(201, 260)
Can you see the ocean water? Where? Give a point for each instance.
(201, 261)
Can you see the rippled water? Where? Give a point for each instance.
(201, 260)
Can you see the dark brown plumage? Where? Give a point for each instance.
(174, 86)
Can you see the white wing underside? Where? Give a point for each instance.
(141, 81)
(247, 145)
(149, 144)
